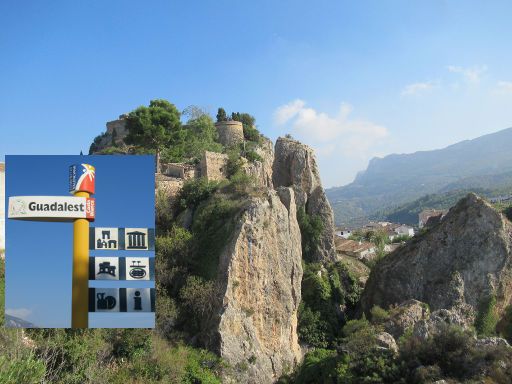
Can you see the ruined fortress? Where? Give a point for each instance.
(171, 176)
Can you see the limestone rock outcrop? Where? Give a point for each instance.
(295, 166)
(457, 265)
(405, 317)
(261, 170)
(260, 271)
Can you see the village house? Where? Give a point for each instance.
(343, 232)
(405, 230)
(359, 249)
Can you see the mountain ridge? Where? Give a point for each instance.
(400, 178)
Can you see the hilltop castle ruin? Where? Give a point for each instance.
(170, 176)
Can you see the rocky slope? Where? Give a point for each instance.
(295, 166)
(458, 265)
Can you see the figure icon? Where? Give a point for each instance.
(106, 268)
(106, 241)
(138, 301)
(103, 302)
(136, 240)
(137, 271)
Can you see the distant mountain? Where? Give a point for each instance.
(484, 162)
(16, 322)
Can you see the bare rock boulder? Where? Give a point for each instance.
(295, 166)
(457, 265)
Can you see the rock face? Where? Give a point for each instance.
(262, 170)
(261, 274)
(295, 166)
(405, 317)
(458, 264)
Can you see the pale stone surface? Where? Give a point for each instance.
(295, 166)
(386, 341)
(405, 316)
(213, 166)
(261, 272)
(426, 328)
(492, 342)
(230, 132)
(262, 170)
(456, 265)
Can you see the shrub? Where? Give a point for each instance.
(312, 328)
(174, 248)
(234, 163)
(379, 315)
(24, 369)
(163, 210)
(486, 318)
(324, 291)
(311, 228)
(199, 297)
(252, 156)
(129, 343)
(214, 222)
(71, 356)
(194, 192)
(168, 363)
(241, 183)
(506, 322)
(319, 366)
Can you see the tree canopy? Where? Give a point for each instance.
(154, 126)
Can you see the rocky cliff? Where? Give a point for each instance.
(260, 272)
(458, 265)
(295, 166)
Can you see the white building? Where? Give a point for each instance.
(345, 233)
(405, 230)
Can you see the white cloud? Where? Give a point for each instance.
(22, 313)
(472, 74)
(328, 134)
(416, 88)
(505, 86)
(287, 111)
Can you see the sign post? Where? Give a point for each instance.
(81, 209)
(81, 184)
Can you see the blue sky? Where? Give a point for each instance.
(353, 79)
(39, 254)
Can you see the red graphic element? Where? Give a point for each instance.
(90, 208)
(86, 179)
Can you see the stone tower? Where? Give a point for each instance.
(230, 132)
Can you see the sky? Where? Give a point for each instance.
(39, 255)
(352, 79)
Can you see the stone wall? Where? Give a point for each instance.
(168, 185)
(230, 132)
(120, 127)
(213, 166)
(179, 170)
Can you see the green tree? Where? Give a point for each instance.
(221, 115)
(248, 122)
(153, 127)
